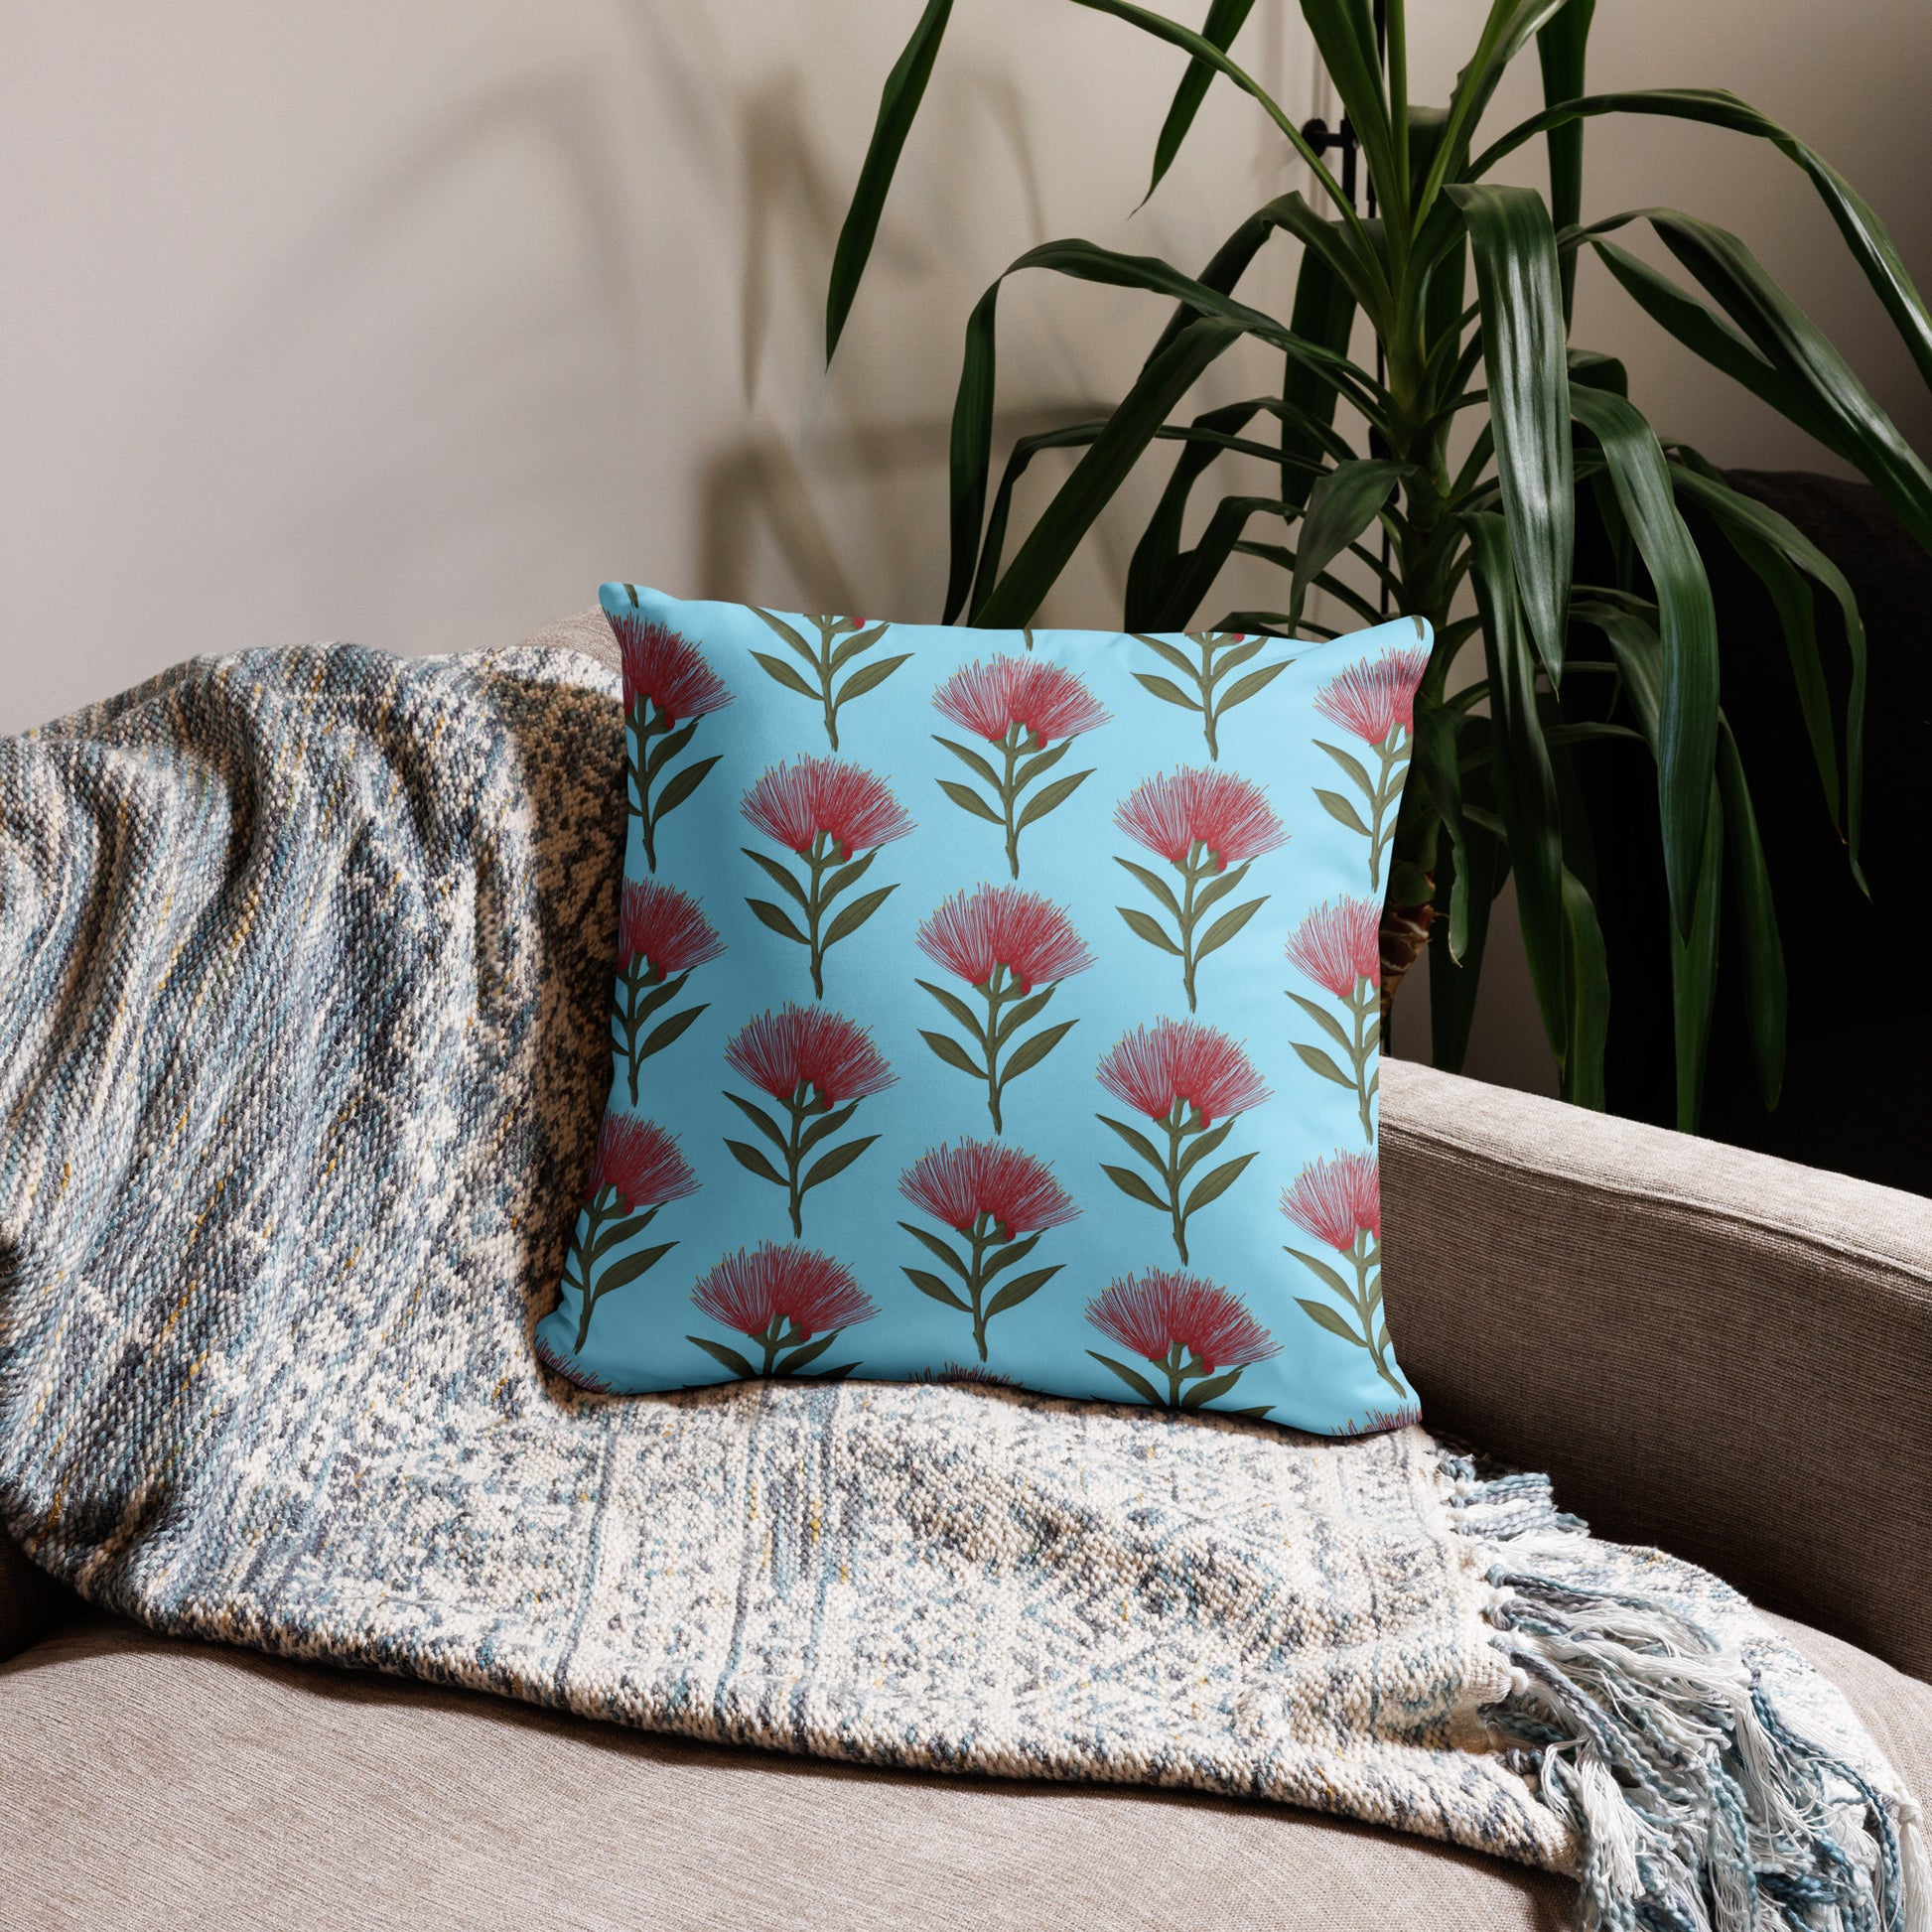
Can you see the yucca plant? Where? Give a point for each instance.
(1467, 450)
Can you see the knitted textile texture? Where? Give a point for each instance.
(304, 960)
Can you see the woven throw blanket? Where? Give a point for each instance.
(303, 966)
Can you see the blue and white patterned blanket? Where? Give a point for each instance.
(304, 973)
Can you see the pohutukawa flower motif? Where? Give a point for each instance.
(818, 1067)
(1210, 656)
(834, 815)
(1195, 1332)
(839, 641)
(638, 1167)
(662, 935)
(1339, 1201)
(1201, 822)
(791, 1301)
(1000, 1200)
(1012, 948)
(1376, 702)
(1029, 711)
(1184, 1077)
(669, 688)
(1338, 945)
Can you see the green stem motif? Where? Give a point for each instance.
(1190, 1140)
(1023, 760)
(829, 871)
(1202, 887)
(1215, 654)
(645, 759)
(991, 1251)
(605, 1225)
(809, 1121)
(1379, 794)
(839, 640)
(1008, 1009)
(1364, 1298)
(642, 990)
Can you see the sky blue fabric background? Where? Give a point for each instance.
(637, 1341)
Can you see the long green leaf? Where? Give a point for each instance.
(1341, 505)
(971, 452)
(1687, 726)
(899, 103)
(1526, 787)
(1786, 338)
(1707, 334)
(1864, 235)
(1586, 991)
(1560, 48)
(1015, 599)
(1211, 55)
(1344, 37)
(1734, 509)
(1225, 19)
(1523, 341)
(1694, 973)
(1323, 313)
(1767, 996)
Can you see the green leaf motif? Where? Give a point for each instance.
(774, 917)
(1167, 690)
(1134, 1379)
(785, 675)
(1131, 1184)
(1317, 1061)
(870, 676)
(1050, 798)
(1146, 926)
(729, 1359)
(1213, 1185)
(753, 1161)
(1031, 1053)
(853, 916)
(954, 1054)
(968, 800)
(932, 1285)
(1341, 811)
(836, 1162)
(1227, 925)
(1324, 1316)
(1019, 1290)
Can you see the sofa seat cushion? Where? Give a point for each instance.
(148, 1782)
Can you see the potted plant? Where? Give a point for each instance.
(1461, 288)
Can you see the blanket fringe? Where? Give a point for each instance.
(1697, 1805)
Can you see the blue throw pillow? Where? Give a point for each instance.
(997, 1005)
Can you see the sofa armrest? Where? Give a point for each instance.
(1708, 1350)
(32, 1603)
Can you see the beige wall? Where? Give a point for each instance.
(410, 321)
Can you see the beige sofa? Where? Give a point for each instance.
(1709, 1350)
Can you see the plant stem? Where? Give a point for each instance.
(646, 728)
(815, 858)
(825, 629)
(1208, 716)
(799, 1107)
(595, 1215)
(1010, 795)
(1174, 1366)
(995, 999)
(976, 1284)
(1177, 1131)
(1362, 1254)
(1367, 996)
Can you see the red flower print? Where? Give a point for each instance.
(666, 928)
(974, 933)
(1173, 1062)
(794, 803)
(1339, 945)
(1044, 699)
(641, 1161)
(1338, 1200)
(807, 1045)
(667, 669)
(1186, 1325)
(1222, 813)
(1375, 699)
(759, 1291)
(1000, 1199)
(1015, 1192)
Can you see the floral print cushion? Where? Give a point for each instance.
(997, 1007)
